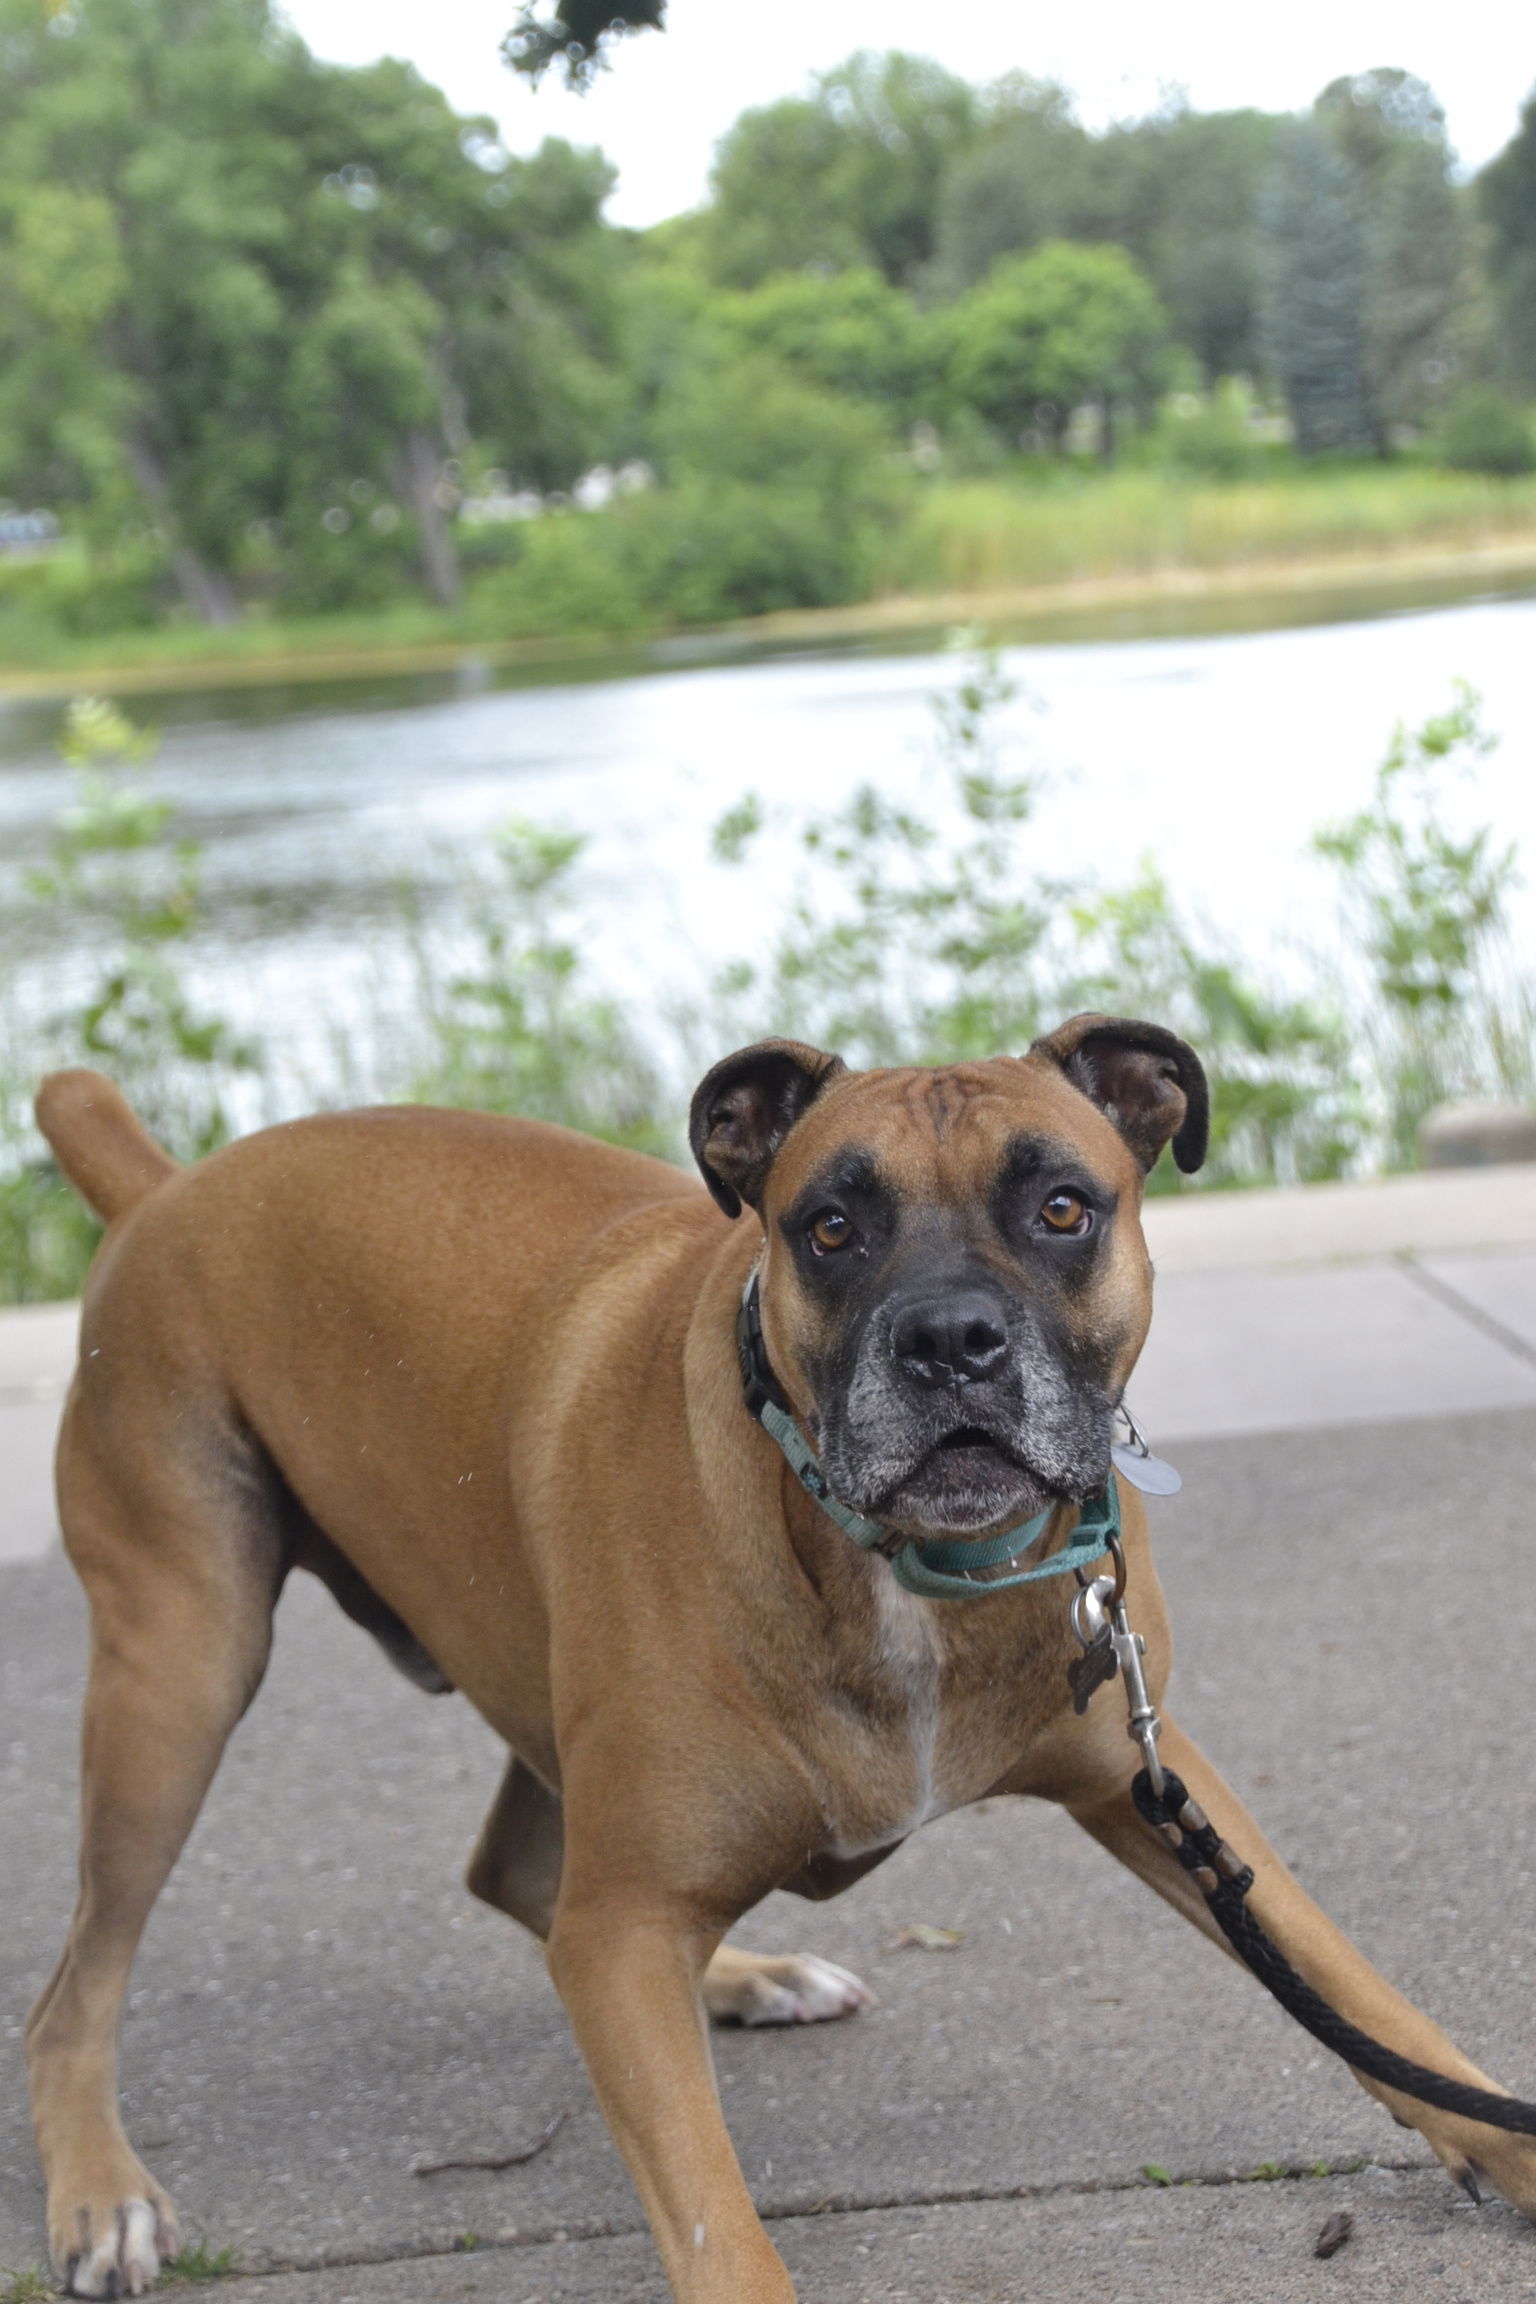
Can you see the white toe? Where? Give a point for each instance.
(126, 2262)
(803, 1990)
(825, 1991)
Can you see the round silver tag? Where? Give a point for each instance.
(1148, 1473)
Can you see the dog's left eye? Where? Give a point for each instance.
(1066, 1212)
(830, 1231)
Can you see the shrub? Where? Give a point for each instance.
(508, 1020)
(1211, 437)
(77, 595)
(1483, 430)
(1452, 1011)
(115, 872)
(566, 572)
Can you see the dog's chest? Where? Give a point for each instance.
(906, 1740)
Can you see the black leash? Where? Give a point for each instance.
(1224, 1880)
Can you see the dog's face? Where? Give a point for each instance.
(954, 1284)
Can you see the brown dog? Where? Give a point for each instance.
(479, 1375)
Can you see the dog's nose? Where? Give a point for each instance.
(951, 1339)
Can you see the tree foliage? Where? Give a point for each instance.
(1047, 331)
(251, 297)
(578, 36)
(1368, 255)
(848, 175)
(1507, 198)
(1315, 292)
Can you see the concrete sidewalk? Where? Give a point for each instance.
(318, 2002)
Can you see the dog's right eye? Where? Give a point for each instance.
(830, 1231)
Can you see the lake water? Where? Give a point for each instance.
(1215, 755)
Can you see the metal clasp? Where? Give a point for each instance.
(1143, 1726)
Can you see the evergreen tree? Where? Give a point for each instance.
(1506, 198)
(1315, 291)
(1390, 127)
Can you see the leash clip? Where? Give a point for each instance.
(1143, 1726)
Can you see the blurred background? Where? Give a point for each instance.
(535, 558)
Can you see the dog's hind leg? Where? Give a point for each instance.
(182, 1567)
(517, 1861)
(516, 1868)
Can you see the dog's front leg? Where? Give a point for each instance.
(1324, 1956)
(629, 1968)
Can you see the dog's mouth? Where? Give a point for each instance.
(968, 1481)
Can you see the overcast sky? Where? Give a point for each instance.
(669, 96)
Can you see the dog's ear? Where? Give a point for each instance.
(1148, 1081)
(745, 1107)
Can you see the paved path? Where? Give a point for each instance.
(1353, 1581)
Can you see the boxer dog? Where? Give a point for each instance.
(481, 1376)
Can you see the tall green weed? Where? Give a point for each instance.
(118, 880)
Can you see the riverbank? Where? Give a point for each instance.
(1210, 578)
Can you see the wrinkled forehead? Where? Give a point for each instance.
(943, 1135)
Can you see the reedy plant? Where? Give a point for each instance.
(514, 1024)
(115, 871)
(1453, 1013)
(909, 941)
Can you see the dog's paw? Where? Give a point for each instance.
(117, 2252)
(1483, 2160)
(792, 1988)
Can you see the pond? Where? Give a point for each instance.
(1214, 753)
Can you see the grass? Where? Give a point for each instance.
(198, 2261)
(987, 536)
(28, 2287)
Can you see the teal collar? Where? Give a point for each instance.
(932, 1569)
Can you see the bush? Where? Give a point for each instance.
(566, 572)
(74, 594)
(1483, 430)
(1211, 437)
(705, 552)
(362, 566)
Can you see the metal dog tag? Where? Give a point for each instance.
(1134, 1461)
(1089, 1672)
(1091, 1623)
(1151, 1474)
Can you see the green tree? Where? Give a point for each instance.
(848, 175)
(1022, 181)
(1045, 332)
(1368, 262)
(849, 333)
(1506, 198)
(247, 293)
(1391, 129)
(577, 35)
(1181, 190)
(1314, 292)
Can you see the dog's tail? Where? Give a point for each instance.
(99, 1142)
